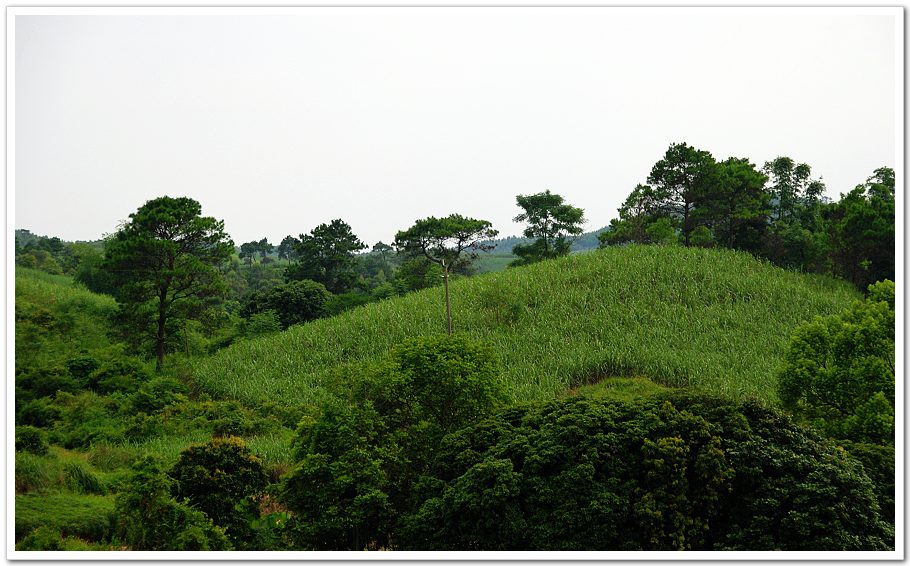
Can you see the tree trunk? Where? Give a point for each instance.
(160, 336)
(445, 278)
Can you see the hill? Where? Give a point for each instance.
(714, 320)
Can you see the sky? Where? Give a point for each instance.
(276, 123)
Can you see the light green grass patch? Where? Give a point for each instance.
(714, 320)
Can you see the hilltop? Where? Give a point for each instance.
(674, 315)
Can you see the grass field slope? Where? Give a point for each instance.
(713, 320)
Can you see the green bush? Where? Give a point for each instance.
(356, 462)
(84, 419)
(159, 393)
(31, 439)
(293, 302)
(122, 373)
(261, 323)
(674, 471)
(217, 476)
(839, 370)
(148, 518)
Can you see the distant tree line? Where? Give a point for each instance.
(777, 212)
(169, 264)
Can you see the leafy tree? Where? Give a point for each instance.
(839, 370)
(862, 231)
(417, 273)
(552, 222)
(148, 518)
(264, 248)
(217, 476)
(738, 206)
(791, 186)
(357, 462)
(449, 242)
(680, 182)
(636, 214)
(248, 251)
(164, 262)
(326, 255)
(673, 471)
(287, 249)
(294, 302)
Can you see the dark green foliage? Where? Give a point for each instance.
(148, 518)
(337, 304)
(86, 418)
(123, 373)
(862, 231)
(450, 242)
(551, 222)
(157, 394)
(31, 439)
(356, 463)
(326, 255)
(417, 273)
(294, 302)
(217, 476)
(339, 489)
(669, 472)
(88, 517)
(164, 263)
(679, 182)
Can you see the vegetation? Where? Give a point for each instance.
(551, 222)
(700, 383)
(670, 472)
(674, 315)
(450, 242)
(163, 262)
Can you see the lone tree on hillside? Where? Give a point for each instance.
(164, 265)
(443, 241)
(552, 222)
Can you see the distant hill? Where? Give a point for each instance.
(714, 320)
(584, 242)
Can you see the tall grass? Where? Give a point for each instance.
(715, 320)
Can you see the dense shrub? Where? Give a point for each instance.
(356, 462)
(217, 476)
(678, 472)
(839, 376)
(159, 393)
(839, 370)
(31, 439)
(84, 419)
(148, 518)
(293, 302)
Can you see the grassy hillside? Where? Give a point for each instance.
(55, 318)
(714, 320)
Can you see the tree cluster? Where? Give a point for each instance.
(777, 213)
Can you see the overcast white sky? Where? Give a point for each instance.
(381, 116)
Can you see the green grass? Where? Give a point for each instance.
(715, 320)
(620, 389)
(488, 263)
(55, 318)
(83, 516)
